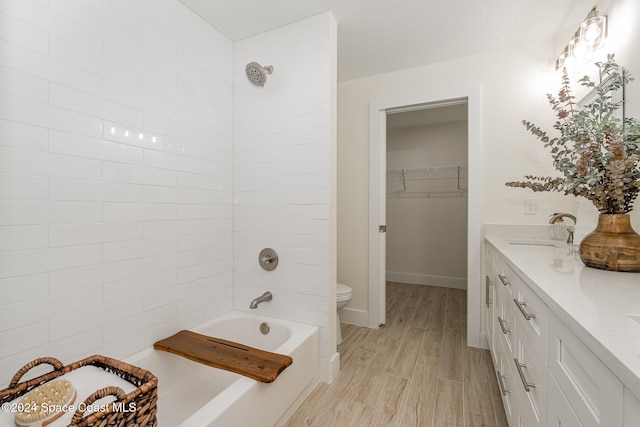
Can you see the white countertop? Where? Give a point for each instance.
(599, 306)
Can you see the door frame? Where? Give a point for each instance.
(377, 197)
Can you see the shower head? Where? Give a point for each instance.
(257, 74)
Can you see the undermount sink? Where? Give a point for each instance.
(537, 242)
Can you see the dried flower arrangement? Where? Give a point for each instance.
(597, 153)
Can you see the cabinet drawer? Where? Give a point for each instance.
(524, 415)
(532, 317)
(496, 339)
(507, 279)
(494, 259)
(505, 331)
(504, 373)
(559, 412)
(530, 373)
(593, 392)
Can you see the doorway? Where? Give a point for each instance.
(377, 199)
(426, 207)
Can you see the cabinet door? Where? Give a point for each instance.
(559, 412)
(489, 308)
(593, 392)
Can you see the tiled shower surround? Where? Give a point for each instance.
(125, 127)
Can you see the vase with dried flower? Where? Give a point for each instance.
(598, 155)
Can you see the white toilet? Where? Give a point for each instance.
(343, 296)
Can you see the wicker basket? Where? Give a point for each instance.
(145, 396)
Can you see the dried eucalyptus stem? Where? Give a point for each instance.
(597, 153)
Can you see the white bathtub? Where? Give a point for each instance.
(195, 395)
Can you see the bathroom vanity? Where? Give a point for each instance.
(564, 338)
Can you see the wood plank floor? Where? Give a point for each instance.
(414, 371)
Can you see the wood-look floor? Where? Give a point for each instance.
(414, 371)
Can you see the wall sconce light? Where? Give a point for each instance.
(589, 38)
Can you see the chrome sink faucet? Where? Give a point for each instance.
(556, 216)
(570, 229)
(262, 298)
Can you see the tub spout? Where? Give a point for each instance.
(262, 298)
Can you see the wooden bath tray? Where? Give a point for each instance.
(251, 362)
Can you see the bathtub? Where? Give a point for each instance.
(194, 395)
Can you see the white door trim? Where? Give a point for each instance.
(377, 213)
(377, 197)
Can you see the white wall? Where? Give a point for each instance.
(427, 232)
(512, 89)
(109, 242)
(283, 175)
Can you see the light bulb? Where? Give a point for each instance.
(592, 31)
(580, 48)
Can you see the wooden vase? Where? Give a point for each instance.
(613, 245)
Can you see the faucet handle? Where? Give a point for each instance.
(268, 259)
(570, 230)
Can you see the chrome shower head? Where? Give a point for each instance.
(257, 74)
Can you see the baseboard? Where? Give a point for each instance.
(424, 279)
(334, 367)
(484, 340)
(354, 316)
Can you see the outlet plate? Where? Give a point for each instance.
(530, 206)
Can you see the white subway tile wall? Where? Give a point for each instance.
(282, 172)
(116, 169)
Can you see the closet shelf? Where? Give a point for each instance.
(428, 180)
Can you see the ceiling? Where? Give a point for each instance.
(379, 36)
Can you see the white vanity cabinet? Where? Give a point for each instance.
(547, 375)
(521, 327)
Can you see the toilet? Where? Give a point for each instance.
(343, 296)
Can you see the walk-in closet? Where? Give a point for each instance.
(427, 183)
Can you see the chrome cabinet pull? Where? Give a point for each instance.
(527, 385)
(502, 322)
(523, 310)
(505, 281)
(503, 388)
(487, 298)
